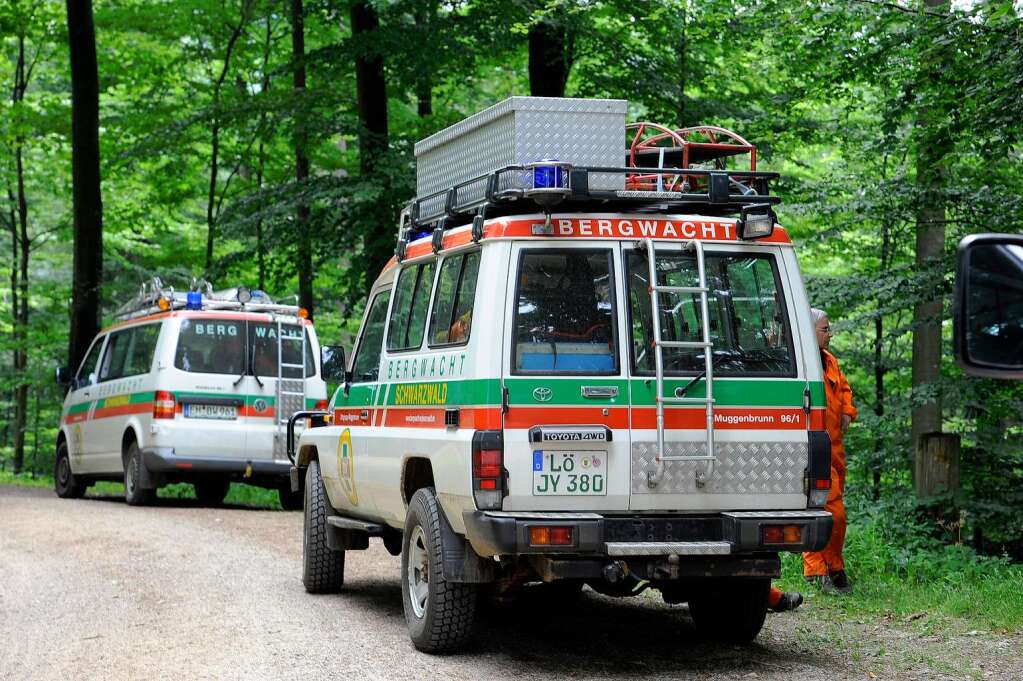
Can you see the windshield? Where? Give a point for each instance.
(565, 318)
(748, 325)
(236, 347)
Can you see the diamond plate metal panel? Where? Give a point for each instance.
(741, 468)
(522, 130)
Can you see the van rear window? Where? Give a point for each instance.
(565, 319)
(236, 347)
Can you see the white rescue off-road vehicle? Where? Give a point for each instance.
(591, 361)
(192, 387)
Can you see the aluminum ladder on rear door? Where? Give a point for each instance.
(654, 478)
(290, 390)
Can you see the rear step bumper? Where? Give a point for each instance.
(501, 533)
(163, 460)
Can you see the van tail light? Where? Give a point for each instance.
(164, 406)
(488, 472)
(818, 468)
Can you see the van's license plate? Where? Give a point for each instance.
(569, 473)
(223, 412)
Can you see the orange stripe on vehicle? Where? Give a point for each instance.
(724, 418)
(527, 417)
(76, 418)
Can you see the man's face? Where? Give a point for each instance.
(824, 333)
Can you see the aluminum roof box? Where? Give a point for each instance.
(585, 132)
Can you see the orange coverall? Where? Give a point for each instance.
(839, 403)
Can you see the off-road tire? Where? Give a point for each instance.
(133, 464)
(65, 483)
(210, 491)
(450, 611)
(290, 501)
(323, 569)
(731, 609)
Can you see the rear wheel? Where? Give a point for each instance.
(133, 466)
(211, 491)
(323, 569)
(440, 614)
(730, 610)
(65, 483)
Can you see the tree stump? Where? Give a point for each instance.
(936, 465)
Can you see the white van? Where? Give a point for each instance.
(189, 387)
(578, 371)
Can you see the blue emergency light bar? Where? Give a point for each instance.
(193, 301)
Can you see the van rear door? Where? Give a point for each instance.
(566, 437)
(760, 426)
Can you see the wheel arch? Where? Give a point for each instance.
(307, 453)
(416, 473)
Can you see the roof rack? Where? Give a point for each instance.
(154, 297)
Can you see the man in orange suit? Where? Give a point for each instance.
(826, 568)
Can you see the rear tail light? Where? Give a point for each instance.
(550, 536)
(164, 405)
(488, 474)
(818, 468)
(781, 534)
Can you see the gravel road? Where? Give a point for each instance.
(94, 589)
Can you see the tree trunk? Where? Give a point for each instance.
(880, 368)
(424, 85)
(261, 169)
(930, 242)
(371, 93)
(936, 468)
(87, 199)
(305, 256)
(212, 214)
(550, 58)
(682, 69)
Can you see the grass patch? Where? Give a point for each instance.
(903, 575)
(239, 494)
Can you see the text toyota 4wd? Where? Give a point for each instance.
(578, 372)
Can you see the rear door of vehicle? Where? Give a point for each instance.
(566, 437)
(760, 439)
(276, 354)
(208, 381)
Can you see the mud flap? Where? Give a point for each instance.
(147, 478)
(460, 562)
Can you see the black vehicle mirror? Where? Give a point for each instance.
(64, 377)
(334, 364)
(988, 306)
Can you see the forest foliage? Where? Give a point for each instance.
(871, 110)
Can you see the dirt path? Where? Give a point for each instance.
(94, 589)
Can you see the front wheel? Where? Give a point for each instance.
(290, 501)
(731, 609)
(65, 483)
(323, 569)
(440, 614)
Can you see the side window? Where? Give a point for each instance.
(408, 314)
(452, 307)
(565, 315)
(114, 358)
(140, 357)
(366, 365)
(87, 373)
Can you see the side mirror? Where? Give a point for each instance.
(987, 310)
(334, 364)
(64, 377)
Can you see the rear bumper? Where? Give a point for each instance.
(494, 533)
(163, 460)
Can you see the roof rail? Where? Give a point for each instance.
(154, 297)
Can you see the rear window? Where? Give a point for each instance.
(565, 314)
(748, 325)
(236, 347)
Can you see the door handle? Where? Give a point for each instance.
(599, 391)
